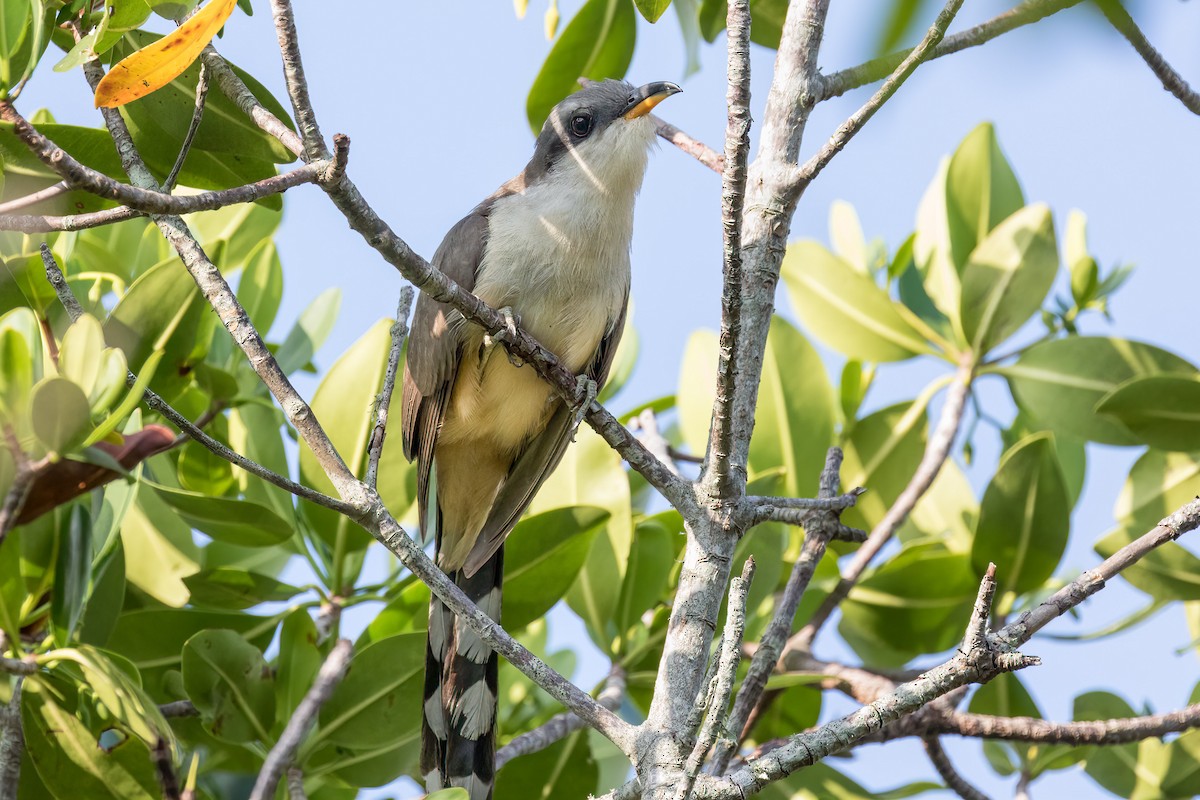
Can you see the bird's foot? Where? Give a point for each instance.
(585, 392)
(506, 335)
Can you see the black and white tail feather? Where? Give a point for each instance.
(458, 737)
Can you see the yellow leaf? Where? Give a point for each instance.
(159, 63)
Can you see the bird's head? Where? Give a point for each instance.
(602, 131)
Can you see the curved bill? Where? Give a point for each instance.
(643, 100)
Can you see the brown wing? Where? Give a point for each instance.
(433, 348)
(539, 458)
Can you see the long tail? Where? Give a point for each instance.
(458, 735)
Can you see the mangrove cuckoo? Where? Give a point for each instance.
(551, 249)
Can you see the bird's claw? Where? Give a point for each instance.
(585, 392)
(507, 335)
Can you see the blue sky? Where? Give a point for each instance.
(432, 95)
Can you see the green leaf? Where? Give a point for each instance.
(223, 129)
(1158, 483)
(542, 559)
(795, 412)
(261, 287)
(236, 232)
(25, 174)
(298, 663)
(254, 431)
(564, 771)
(115, 685)
(597, 43)
(204, 472)
(1060, 382)
(162, 310)
(236, 588)
(1128, 770)
(981, 190)
(796, 409)
(916, 603)
(1024, 518)
(61, 415)
(16, 379)
(95, 368)
(688, 14)
(881, 453)
(14, 26)
(72, 570)
(311, 330)
(651, 557)
(12, 592)
(227, 519)
(166, 552)
(1162, 411)
(652, 9)
(1007, 276)
(154, 638)
(379, 701)
(344, 402)
(767, 16)
(970, 194)
(1072, 455)
(591, 474)
(1006, 696)
(227, 680)
(845, 309)
(68, 753)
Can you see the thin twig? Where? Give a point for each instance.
(936, 453)
(859, 118)
(690, 145)
(179, 708)
(297, 84)
(1094, 732)
(384, 401)
(727, 664)
(763, 662)
(155, 403)
(193, 126)
(560, 726)
(49, 193)
(46, 223)
(1171, 80)
(649, 435)
(722, 477)
(1030, 11)
(968, 665)
(302, 720)
(12, 744)
(295, 784)
(941, 762)
(150, 200)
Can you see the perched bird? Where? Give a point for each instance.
(550, 248)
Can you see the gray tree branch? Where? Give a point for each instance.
(945, 768)
(724, 476)
(305, 716)
(383, 402)
(1171, 80)
(936, 452)
(1026, 13)
(150, 200)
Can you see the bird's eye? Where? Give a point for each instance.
(581, 125)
